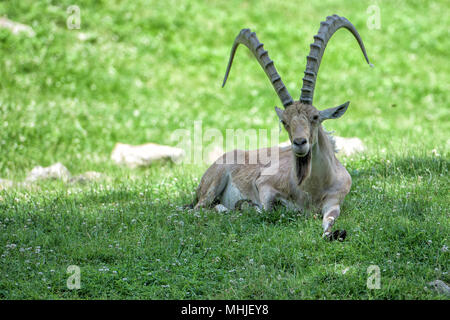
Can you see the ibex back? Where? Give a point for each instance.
(309, 174)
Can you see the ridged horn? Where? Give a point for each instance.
(249, 39)
(326, 31)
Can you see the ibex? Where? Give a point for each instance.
(309, 174)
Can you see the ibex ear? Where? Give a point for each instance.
(333, 113)
(279, 112)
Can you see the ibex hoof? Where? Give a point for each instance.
(339, 235)
(245, 204)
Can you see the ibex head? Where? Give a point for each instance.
(300, 119)
(301, 122)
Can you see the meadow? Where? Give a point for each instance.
(136, 71)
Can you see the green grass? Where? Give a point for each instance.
(149, 68)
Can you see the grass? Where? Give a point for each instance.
(143, 69)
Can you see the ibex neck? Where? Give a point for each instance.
(322, 157)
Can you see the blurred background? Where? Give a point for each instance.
(79, 79)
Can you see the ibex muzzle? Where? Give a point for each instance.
(309, 174)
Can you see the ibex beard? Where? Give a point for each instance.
(308, 174)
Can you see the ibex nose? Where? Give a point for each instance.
(299, 142)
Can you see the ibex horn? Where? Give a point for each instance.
(249, 39)
(326, 30)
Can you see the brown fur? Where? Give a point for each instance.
(315, 179)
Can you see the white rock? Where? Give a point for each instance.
(144, 155)
(55, 171)
(220, 208)
(349, 146)
(84, 36)
(87, 177)
(440, 287)
(4, 184)
(16, 27)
